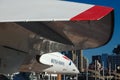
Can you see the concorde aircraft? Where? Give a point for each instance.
(57, 63)
(34, 27)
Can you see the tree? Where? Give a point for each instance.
(117, 50)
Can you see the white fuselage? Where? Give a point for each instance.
(59, 63)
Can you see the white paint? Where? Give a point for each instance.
(39, 10)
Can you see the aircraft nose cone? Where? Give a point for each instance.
(76, 71)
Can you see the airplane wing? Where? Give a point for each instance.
(77, 25)
(31, 27)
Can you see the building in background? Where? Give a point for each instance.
(114, 62)
(110, 62)
(96, 57)
(104, 60)
(85, 63)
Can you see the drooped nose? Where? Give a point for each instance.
(76, 71)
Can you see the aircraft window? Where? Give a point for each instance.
(70, 63)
